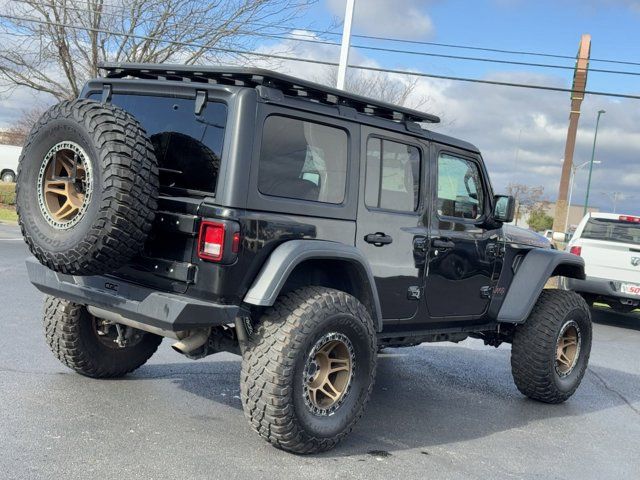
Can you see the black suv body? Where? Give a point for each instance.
(270, 184)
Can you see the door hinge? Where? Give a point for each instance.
(414, 293)
(201, 101)
(485, 292)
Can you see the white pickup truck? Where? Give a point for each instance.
(9, 156)
(610, 246)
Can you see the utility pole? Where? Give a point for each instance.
(577, 95)
(346, 44)
(593, 154)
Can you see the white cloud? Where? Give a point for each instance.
(14, 104)
(398, 18)
(521, 133)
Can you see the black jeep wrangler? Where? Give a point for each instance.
(303, 227)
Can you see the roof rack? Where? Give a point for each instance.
(252, 77)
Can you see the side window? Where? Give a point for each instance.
(303, 160)
(460, 191)
(392, 175)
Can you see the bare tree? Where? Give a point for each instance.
(17, 133)
(54, 46)
(528, 199)
(390, 88)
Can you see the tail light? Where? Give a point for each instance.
(235, 245)
(629, 218)
(576, 250)
(211, 241)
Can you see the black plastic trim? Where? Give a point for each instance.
(532, 275)
(159, 309)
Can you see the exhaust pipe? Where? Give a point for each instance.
(192, 342)
(117, 318)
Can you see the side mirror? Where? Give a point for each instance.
(559, 237)
(504, 207)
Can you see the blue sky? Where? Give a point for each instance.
(540, 26)
(521, 132)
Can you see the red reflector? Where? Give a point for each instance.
(629, 218)
(211, 241)
(235, 245)
(576, 250)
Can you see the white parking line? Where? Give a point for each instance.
(10, 239)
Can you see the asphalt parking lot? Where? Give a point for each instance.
(437, 411)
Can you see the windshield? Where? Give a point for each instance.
(612, 230)
(188, 146)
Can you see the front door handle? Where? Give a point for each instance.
(378, 239)
(442, 243)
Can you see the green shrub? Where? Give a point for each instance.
(8, 193)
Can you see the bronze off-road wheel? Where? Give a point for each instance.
(308, 369)
(87, 188)
(550, 351)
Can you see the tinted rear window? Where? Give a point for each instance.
(188, 146)
(303, 160)
(612, 230)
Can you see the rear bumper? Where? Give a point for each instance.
(159, 309)
(598, 286)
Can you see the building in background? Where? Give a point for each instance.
(575, 215)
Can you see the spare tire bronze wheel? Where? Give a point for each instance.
(65, 185)
(87, 188)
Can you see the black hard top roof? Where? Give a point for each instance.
(248, 76)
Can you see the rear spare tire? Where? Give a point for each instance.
(87, 188)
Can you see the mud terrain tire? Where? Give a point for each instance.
(274, 369)
(536, 364)
(87, 188)
(70, 333)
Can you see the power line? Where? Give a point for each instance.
(425, 54)
(107, 13)
(328, 63)
(413, 42)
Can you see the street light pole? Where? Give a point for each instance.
(593, 153)
(346, 44)
(572, 179)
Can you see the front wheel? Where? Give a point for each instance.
(550, 351)
(9, 177)
(308, 369)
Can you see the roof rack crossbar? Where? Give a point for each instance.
(290, 86)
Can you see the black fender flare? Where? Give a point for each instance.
(286, 257)
(531, 276)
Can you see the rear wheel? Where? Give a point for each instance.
(550, 351)
(92, 346)
(308, 369)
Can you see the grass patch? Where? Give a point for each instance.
(7, 193)
(8, 214)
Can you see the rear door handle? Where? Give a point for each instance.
(441, 243)
(378, 239)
